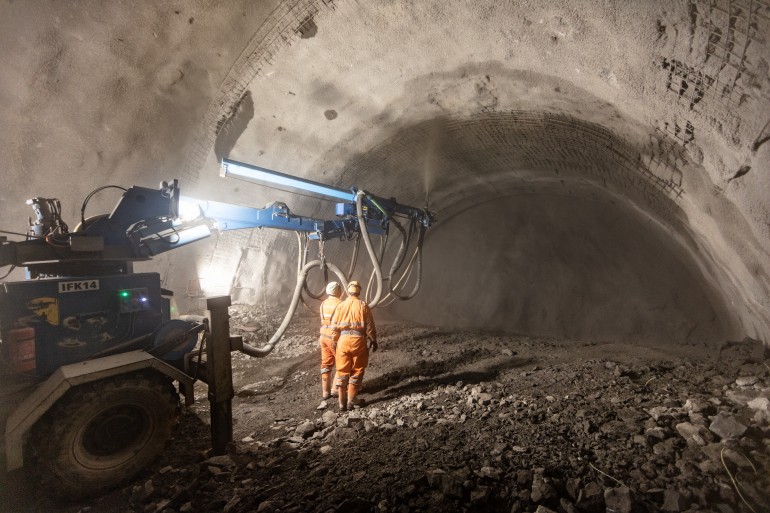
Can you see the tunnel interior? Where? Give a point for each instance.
(592, 326)
(595, 172)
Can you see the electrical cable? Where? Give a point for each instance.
(8, 273)
(29, 236)
(88, 198)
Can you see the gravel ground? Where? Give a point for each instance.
(470, 421)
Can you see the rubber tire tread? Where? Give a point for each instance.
(60, 473)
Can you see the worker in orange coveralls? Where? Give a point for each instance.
(352, 327)
(328, 305)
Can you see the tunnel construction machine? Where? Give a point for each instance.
(90, 350)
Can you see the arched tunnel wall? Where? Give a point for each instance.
(621, 147)
(600, 273)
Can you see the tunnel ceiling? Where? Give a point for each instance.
(658, 112)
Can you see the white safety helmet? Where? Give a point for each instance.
(354, 288)
(333, 288)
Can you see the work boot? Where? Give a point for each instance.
(343, 399)
(353, 399)
(326, 385)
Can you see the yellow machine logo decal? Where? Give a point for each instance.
(46, 307)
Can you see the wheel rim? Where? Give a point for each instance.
(113, 435)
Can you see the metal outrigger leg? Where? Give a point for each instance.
(219, 373)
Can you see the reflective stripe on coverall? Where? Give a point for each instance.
(352, 324)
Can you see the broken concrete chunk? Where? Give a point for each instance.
(745, 381)
(343, 433)
(666, 448)
(726, 426)
(618, 499)
(485, 398)
(590, 496)
(329, 417)
(740, 397)
(542, 489)
(490, 472)
(673, 501)
(691, 432)
(231, 504)
(760, 403)
(220, 461)
(305, 429)
(450, 485)
(269, 506)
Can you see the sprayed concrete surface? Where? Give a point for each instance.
(599, 171)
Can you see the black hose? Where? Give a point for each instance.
(354, 258)
(122, 347)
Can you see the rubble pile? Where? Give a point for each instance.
(567, 434)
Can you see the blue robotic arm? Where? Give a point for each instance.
(227, 216)
(147, 222)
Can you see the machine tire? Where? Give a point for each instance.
(103, 433)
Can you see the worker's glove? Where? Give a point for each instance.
(372, 345)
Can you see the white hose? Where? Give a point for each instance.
(365, 234)
(259, 352)
(391, 296)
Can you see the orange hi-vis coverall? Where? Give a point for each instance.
(326, 338)
(352, 325)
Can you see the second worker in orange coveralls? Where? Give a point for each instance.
(328, 306)
(352, 326)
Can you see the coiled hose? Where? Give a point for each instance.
(259, 352)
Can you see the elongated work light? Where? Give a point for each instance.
(235, 169)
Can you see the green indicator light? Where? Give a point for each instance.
(124, 294)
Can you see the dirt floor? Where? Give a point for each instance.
(467, 421)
